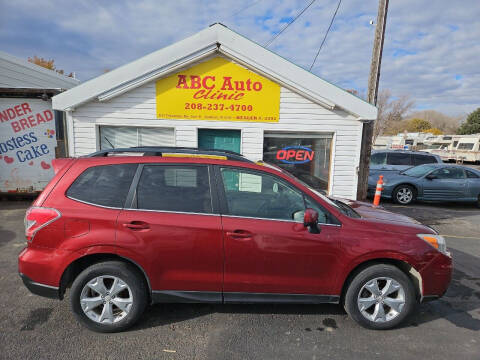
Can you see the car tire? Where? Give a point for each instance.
(364, 303)
(404, 194)
(109, 296)
(478, 201)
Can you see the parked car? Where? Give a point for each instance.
(383, 162)
(431, 182)
(184, 225)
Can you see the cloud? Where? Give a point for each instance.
(431, 47)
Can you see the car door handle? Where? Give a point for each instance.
(137, 225)
(240, 234)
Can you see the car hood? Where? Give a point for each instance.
(390, 178)
(379, 215)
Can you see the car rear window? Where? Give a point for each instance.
(105, 185)
(378, 158)
(423, 159)
(399, 159)
(175, 188)
(471, 174)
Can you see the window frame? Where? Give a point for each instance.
(220, 190)
(131, 202)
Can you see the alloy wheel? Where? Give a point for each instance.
(106, 299)
(404, 195)
(381, 299)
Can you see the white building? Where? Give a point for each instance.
(31, 133)
(217, 89)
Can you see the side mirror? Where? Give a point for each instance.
(310, 221)
(430, 177)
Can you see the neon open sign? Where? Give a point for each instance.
(295, 155)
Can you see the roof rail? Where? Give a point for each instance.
(161, 150)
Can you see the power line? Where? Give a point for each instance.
(243, 9)
(291, 22)
(325, 37)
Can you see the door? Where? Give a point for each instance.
(220, 140)
(473, 185)
(267, 248)
(174, 229)
(449, 184)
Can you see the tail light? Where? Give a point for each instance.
(37, 218)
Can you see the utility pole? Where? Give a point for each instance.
(367, 133)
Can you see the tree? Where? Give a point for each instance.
(446, 123)
(434, 131)
(471, 125)
(47, 64)
(418, 125)
(390, 113)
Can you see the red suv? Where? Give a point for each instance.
(130, 227)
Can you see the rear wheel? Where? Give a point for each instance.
(404, 194)
(478, 201)
(109, 296)
(380, 297)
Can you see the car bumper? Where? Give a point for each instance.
(36, 288)
(42, 268)
(436, 277)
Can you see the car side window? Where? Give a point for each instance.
(177, 188)
(378, 159)
(399, 159)
(471, 175)
(253, 194)
(105, 185)
(423, 159)
(449, 173)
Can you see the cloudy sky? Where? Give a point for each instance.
(432, 48)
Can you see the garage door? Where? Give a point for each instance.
(129, 136)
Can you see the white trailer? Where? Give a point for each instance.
(468, 149)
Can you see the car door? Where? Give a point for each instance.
(173, 226)
(473, 185)
(447, 183)
(268, 251)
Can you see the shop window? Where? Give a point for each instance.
(306, 156)
(130, 136)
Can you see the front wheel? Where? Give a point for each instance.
(404, 194)
(380, 297)
(109, 296)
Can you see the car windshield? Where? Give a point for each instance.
(340, 206)
(418, 171)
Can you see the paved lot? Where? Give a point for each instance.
(32, 327)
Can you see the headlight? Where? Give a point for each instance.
(437, 241)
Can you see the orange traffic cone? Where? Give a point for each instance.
(378, 191)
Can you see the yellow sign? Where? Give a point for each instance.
(218, 90)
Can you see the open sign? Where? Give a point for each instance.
(295, 155)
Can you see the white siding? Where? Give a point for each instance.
(137, 108)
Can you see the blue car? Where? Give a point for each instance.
(430, 182)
